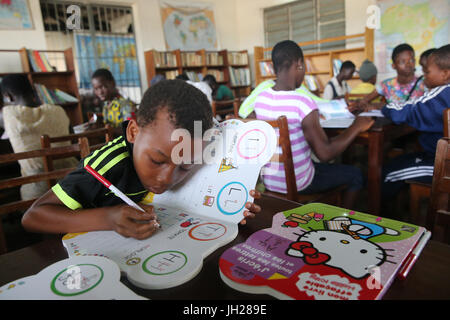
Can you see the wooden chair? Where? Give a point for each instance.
(439, 208)
(419, 191)
(333, 196)
(82, 148)
(96, 138)
(226, 107)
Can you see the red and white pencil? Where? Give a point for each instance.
(116, 191)
(414, 255)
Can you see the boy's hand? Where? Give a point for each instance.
(130, 222)
(363, 123)
(252, 208)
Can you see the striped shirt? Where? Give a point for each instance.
(80, 190)
(270, 105)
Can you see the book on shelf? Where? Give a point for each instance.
(56, 96)
(237, 58)
(311, 82)
(191, 59)
(39, 61)
(266, 68)
(170, 75)
(322, 252)
(197, 216)
(239, 76)
(308, 65)
(194, 76)
(337, 63)
(165, 59)
(219, 75)
(214, 59)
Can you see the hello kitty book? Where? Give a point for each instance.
(318, 251)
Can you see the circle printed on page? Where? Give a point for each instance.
(207, 231)
(77, 279)
(164, 263)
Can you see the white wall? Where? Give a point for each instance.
(239, 25)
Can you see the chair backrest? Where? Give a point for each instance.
(446, 119)
(439, 208)
(81, 148)
(285, 157)
(225, 107)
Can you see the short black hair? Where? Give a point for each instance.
(284, 54)
(427, 53)
(442, 57)
(347, 65)
(17, 85)
(184, 102)
(399, 49)
(182, 76)
(210, 79)
(103, 73)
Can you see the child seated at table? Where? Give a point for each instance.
(219, 91)
(116, 108)
(25, 120)
(403, 87)
(137, 162)
(337, 87)
(424, 114)
(305, 131)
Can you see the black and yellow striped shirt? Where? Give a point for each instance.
(114, 161)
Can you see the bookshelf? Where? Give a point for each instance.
(320, 64)
(228, 67)
(52, 80)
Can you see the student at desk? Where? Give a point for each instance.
(305, 131)
(424, 114)
(136, 162)
(337, 87)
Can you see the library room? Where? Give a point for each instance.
(224, 150)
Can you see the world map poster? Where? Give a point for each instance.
(424, 24)
(188, 26)
(15, 15)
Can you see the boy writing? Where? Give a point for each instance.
(424, 114)
(137, 162)
(305, 131)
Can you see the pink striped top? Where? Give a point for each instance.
(270, 105)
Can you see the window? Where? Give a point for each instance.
(306, 20)
(105, 39)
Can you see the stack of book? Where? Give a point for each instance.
(311, 82)
(337, 63)
(237, 58)
(214, 59)
(53, 96)
(191, 59)
(165, 59)
(239, 76)
(170, 75)
(266, 68)
(194, 76)
(219, 75)
(39, 61)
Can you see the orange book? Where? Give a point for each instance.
(39, 61)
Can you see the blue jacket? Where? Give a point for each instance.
(424, 114)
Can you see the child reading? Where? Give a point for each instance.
(25, 121)
(305, 131)
(219, 92)
(137, 162)
(424, 114)
(403, 87)
(337, 87)
(116, 108)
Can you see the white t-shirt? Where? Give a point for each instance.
(341, 90)
(203, 87)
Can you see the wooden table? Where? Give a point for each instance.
(428, 279)
(382, 131)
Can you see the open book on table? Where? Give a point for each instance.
(196, 217)
(318, 251)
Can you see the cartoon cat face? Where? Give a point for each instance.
(338, 250)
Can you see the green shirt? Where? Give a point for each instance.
(224, 93)
(248, 105)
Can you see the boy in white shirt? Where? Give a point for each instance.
(337, 87)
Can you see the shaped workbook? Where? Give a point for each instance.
(321, 252)
(196, 217)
